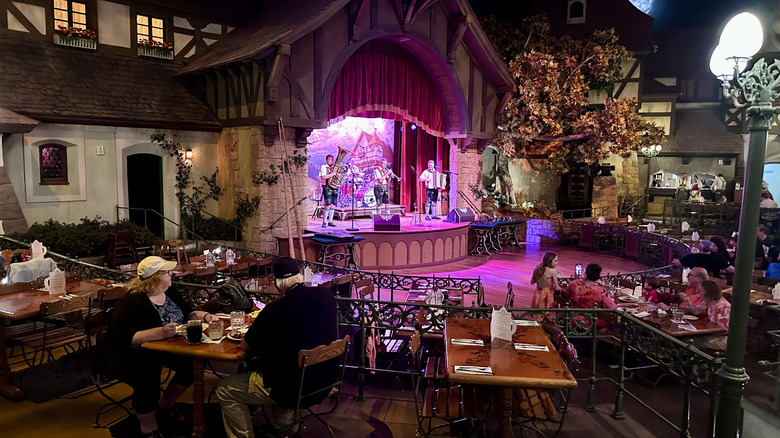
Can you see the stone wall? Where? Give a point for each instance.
(469, 164)
(542, 231)
(260, 233)
(605, 197)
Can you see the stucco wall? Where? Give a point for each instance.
(104, 175)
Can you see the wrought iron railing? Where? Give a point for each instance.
(714, 214)
(693, 368)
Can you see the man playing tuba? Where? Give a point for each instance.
(329, 194)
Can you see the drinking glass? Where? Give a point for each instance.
(677, 316)
(237, 318)
(194, 331)
(216, 330)
(641, 304)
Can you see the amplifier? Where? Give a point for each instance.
(387, 222)
(461, 214)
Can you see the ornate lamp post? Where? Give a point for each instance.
(651, 151)
(756, 89)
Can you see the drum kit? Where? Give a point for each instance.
(358, 185)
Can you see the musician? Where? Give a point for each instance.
(383, 174)
(329, 195)
(428, 177)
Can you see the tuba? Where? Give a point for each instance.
(336, 180)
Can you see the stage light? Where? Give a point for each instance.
(413, 126)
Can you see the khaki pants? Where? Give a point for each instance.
(236, 393)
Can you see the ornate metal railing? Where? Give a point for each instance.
(693, 368)
(716, 214)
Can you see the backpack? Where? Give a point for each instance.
(231, 295)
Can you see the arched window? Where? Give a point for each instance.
(53, 164)
(576, 11)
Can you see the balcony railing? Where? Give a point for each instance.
(75, 41)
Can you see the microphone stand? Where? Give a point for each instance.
(354, 193)
(416, 219)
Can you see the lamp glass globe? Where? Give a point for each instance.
(742, 36)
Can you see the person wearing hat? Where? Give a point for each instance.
(302, 318)
(150, 311)
(704, 258)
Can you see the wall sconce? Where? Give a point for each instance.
(188, 154)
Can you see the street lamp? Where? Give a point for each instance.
(652, 150)
(756, 89)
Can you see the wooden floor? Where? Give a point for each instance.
(517, 264)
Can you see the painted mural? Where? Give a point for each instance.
(365, 142)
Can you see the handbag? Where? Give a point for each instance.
(231, 296)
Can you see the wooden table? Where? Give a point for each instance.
(756, 297)
(226, 351)
(511, 368)
(702, 324)
(22, 305)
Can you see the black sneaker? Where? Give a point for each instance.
(427, 218)
(436, 217)
(331, 224)
(324, 225)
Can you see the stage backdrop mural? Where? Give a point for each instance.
(366, 142)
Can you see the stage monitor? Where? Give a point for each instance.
(387, 222)
(461, 214)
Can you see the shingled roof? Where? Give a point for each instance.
(701, 132)
(283, 22)
(13, 123)
(52, 83)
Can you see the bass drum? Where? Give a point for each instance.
(365, 197)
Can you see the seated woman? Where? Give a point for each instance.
(691, 300)
(718, 313)
(587, 294)
(149, 312)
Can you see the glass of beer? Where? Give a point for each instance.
(194, 331)
(216, 330)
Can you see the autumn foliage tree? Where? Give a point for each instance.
(550, 106)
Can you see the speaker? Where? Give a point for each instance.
(387, 222)
(462, 214)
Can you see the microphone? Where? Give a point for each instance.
(413, 170)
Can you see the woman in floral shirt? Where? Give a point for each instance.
(587, 294)
(718, 312)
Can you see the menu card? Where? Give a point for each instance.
(502, 325)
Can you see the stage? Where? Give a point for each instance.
(344, 213)
(433, 243)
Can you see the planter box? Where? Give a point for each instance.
(74, 41)
(155, 52)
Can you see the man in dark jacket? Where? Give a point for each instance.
(303, 318)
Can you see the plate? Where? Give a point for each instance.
(233, 338)
(690, 317)
(627, 298)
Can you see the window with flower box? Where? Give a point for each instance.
(53, 159)
(150, 37)
(70, 25)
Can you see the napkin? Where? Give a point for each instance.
(530, 347)
(687, 326)
(116, 285)
(502, 325)
(602, 220)
(529, 323)
(461, 341)
(684, 226)
(695, 236)
(207, 340)
(661, 312)
(642, 314)
(651, 227)
(685, 275)
(776, 291)
(467, 369)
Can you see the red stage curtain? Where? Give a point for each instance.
(381, 79)
(417, 147)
